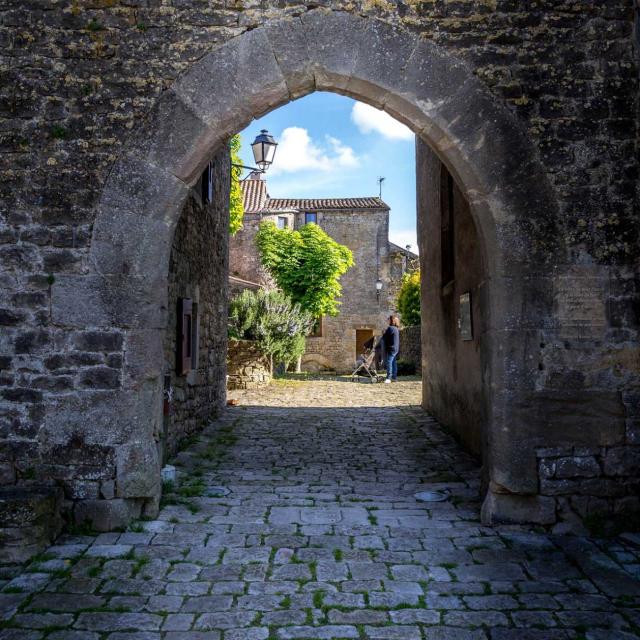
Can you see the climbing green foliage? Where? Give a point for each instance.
(306, 264)
(277, 325)
(408, 300)
(236, 207)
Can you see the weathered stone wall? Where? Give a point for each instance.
(247, 367)
(198, 270)
(411, 346)
(244, 260)
(588, 460)
(453, 388)
(531, 96)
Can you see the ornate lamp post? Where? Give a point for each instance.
(264, 151)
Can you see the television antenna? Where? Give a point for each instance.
(381, 179)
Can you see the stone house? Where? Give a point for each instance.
(362, 224)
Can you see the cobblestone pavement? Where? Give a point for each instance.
(319, 536)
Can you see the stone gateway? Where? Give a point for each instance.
(526, 121)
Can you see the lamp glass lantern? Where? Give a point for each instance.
(378, 287)
(264, 149)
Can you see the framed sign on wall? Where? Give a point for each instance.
(465, 320)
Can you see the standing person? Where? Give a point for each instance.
(391, 339)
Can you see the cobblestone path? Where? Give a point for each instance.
(319, 536)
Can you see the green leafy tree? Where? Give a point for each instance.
(236, 207)
(306, 264)
(408, 300)
(277, 325)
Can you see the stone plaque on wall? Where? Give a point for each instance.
(465, 321)
(580, 304)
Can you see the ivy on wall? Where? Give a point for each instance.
(236, 207)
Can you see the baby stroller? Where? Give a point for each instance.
(366, 367)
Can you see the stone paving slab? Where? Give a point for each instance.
(320, 537)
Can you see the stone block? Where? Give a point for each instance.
(29, 520)
(289, 40)
(333, 66)
(175, 138)
(128, 243)
(144, 357)
(137, 186)
(512, 508)
(138, 470)
(577, 466)
(103, 341)
(100, 378)
(622, 461)
(109, 301)
(233, 84)
(107, 515)
(98, 422)
(632, 428)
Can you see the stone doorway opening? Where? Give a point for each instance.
(362, 336)
(456, 122)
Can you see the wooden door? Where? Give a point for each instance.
(362, 335)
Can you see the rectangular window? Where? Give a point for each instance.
(447, 239)
(311, 217)
(283, 222)
(206, 184)
(316, 331)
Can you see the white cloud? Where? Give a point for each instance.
(403, 237)
(298, 152)
(371, 120)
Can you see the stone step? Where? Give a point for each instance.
(29, 520)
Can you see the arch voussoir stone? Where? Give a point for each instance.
(232, 85)
(166, 137)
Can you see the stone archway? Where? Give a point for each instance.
(436, 95)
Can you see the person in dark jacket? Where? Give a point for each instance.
(391, 340)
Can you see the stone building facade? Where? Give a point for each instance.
(110, 111)
(362, 224)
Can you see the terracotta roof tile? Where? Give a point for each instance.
(256, 199)
(319, 204)
(254, 194)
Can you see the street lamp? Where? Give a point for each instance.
(264, 150)
(406, 257)
(378, 288)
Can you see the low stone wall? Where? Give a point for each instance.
(29, 521)
(410, 347)
(247, 367)
(590, 480)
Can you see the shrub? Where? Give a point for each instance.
(406, 368)
(306, 264)
(408, 300)
(277, 325)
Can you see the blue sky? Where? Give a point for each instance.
(333, 146)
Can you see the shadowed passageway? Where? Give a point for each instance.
(294, 517)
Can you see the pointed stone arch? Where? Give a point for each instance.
(437, 95)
